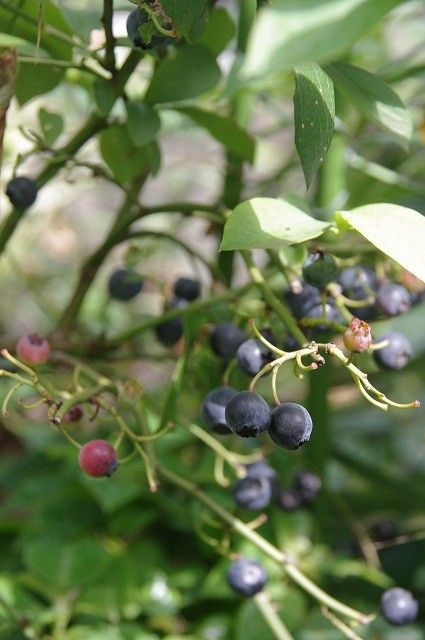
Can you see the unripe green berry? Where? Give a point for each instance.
(320, 269)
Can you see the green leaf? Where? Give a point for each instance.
(219, 31)
(21, 19)
(225, 130)
(191, 72)
(36, 79)
(63, 566)
(143, 123)
(123, 158)
(184, 13)
(104, 95)
(397, 231)
(51, 125)
(266, 223)
(374, 98)
(290, 32)
(314, 111)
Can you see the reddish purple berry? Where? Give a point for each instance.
(98, 458)
(33, 349)
(357, 338)
(74, 414)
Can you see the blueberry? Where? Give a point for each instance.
(290, 499)
(246, 576)
(291, 344)
(124, 284)
(320, 269)
(169, 332)
(301, 302)
(136, 19)
(251, 356)
(308, 484)
(247, 414)
(358, 282)
(213, 409)
(187, 289)
(290, 425)
(397, 354)
(328, 311)
(225, 339)
(22, 192)
(399, 607)
(253, 492)
(383, 530)
(261, 469)
(393, 299)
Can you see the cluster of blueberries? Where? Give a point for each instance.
(261, 485)
(357, 283)
(125, 284)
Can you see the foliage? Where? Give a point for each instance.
(173, 156)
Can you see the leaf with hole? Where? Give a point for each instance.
(314, 112)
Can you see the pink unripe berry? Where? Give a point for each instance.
(33, 349)
(357, 338)
(74, 414)
(98, 458)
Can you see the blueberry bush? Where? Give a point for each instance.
(212, 347)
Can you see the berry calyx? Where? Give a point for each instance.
(214, 407)
(253, 492)
(124, 284)
(396, 354)
(187, 288)
(320, 269)
(247, 414)
(246, 576)
(33, 349)
(225, 340)
(393, 299)
(22, 192)
(290, 425)
(358, 337)
(98, 458)
(399, 607)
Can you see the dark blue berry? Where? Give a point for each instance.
(299, 303)
(291, 344)
(393, 299)
(397, 353)
(320, 269)
(290, 499)
(22, 192)
(308, 484)
(170, 331)
(246, 576)
(383, 530)
(290, 425)
(187, 289)
(124, 284)
(253, 492)
(261, 469)
(247, 414)
(399, 607)
(328, 311)
(251, 356)
(358, 282)
(213, 409)
(225, 339)
(135, 20)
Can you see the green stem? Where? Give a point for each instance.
(269, 614)
(319, 408)
(272, 300)
(107, 17)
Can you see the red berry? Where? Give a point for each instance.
(33, 349)
(98, 458)
(357, 338)
(74, 414)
